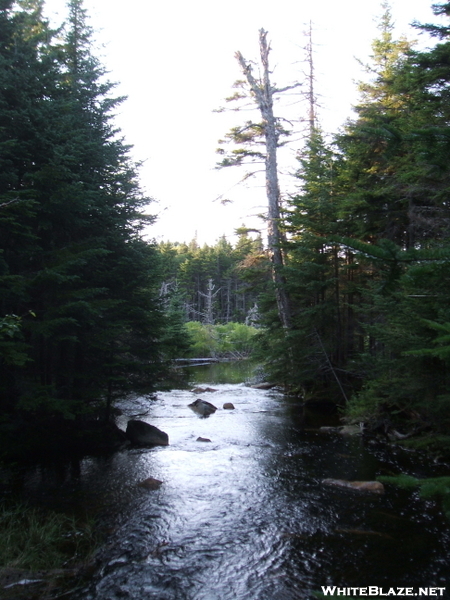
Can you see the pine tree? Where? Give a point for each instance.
(27, 76)
(76, 260)
(376, 146)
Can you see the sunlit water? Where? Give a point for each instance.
(245, 516)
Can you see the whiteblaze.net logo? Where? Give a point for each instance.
(374, 590)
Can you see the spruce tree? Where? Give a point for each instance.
(76, 257)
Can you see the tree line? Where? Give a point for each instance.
(364, 239)
(209, 283)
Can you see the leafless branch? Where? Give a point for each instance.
(13, 201)
(286, 88)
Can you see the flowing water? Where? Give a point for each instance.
(246, 516)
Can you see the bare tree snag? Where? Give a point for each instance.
(209, 299)
(311, 81)
(263, 92)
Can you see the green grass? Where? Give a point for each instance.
(34, 539)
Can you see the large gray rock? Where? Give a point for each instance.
(349, 430)
(144, 434)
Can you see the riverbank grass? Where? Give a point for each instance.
(38, 540)
(432, 488)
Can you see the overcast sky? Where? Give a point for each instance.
(174, 59)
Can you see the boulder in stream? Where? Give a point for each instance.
(144, 434)
(202, 439)
(228, 406)
(202, 408)
(375, 487)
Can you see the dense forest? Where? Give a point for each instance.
(349, 297)
(210, 283)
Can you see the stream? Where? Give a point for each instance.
(246, 516)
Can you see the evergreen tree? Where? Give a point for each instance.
(316, 268)
(396, 178)
(366, 239)
(376, 146)
(75, 258)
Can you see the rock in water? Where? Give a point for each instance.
(349, 430)
(263, 386)
(203, 408)
(144, 434)
(202, 439)
(228, 406)
(150, 483)
(376, 487)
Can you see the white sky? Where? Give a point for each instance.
(174, 59)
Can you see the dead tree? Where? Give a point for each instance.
(311, 80)
(209, 299)
(262, 93)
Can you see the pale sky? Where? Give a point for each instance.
(174, 59)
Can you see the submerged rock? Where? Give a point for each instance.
(263, 386)
(203, 408)
(376, 487)
(144, 434)
(202, 439)
(202, 390)
(349, 430)
(150, 483)
(228, 406)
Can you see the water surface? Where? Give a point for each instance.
(246, 516)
